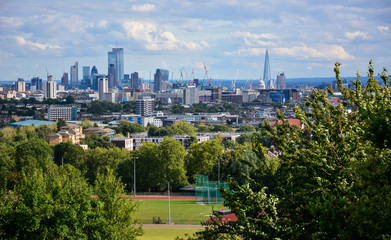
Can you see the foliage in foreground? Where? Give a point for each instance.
(334, 178)
(60, 205)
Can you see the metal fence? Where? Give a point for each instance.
(208, 192)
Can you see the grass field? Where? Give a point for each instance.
(166, 233)
(182, 211)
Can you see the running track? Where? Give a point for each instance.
(162, 198)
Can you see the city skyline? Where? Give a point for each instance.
(304, 39)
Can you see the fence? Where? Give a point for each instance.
(208, 192)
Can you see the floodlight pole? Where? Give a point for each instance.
(219, 172)
(134, 176)
(169, 204)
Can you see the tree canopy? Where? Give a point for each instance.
(333, 181)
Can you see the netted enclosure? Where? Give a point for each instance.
(208, 192)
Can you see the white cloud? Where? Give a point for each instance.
(147, 7)
(155, 39)
(324, 52)
(10, 22)
(255, 40)
(382, 28)
(34, 45)
(357, 34)
(243, 52)
(102, 24)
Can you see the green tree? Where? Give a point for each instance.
(202, 157)
(335, 185)
(59, 205)
(61, 123)
(70, 99)
(183, 128)
(246, 128)
(221, 128)
(128, 127)
(118, 210)
(7, 163)
(177, 109)
(171, 163)
(67, 153)
(33, 153)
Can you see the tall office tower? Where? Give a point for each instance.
(64, 80)
(190, 95)
(94, 79)
(20, 85)
(50, 88)
(158, 82)
(36, 81)
(165, 74)
(134, 81)
(74, 71)
(86, 76)
(103, 87)
(144, 105)
(266, 71)
(111, 76)
(281, 81)
(116, 57)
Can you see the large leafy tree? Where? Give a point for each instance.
(60, 205)
(202, 157)
(334, 177)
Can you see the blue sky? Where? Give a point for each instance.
(304, 37)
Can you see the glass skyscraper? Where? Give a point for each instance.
(116, 57)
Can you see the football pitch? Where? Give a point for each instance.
(182, 211)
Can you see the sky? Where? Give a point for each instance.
(304, 37)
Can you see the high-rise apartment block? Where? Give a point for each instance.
(111, 76)
(144, 105)
(281, 81)
(50, 88)
(116, 57)
(103, 87)
(20, 85)
(66, 112)
(74, 72)
(158, 81)
(64, 80)
(190, 95)
(134, 81)
(36, 81)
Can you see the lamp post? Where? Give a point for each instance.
(134, 175)
(169, 221)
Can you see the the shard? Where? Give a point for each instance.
(266, 71)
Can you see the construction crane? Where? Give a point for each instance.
(192, 73)
(234, 82)
(207, 77)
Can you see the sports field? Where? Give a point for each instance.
(182, 211)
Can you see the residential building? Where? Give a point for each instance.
(20, 85)
(280, 81)
(101, 132)
(74, 72)
(36, 81)
(158, 81)
(102, 87)
(64, 80)
(111, 76)
(144, 105)
(190, 95)
(116, 57)
(66, 112)
(50, 88)
(123, 142)
(134, 81)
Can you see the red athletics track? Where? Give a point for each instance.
(162, 198)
